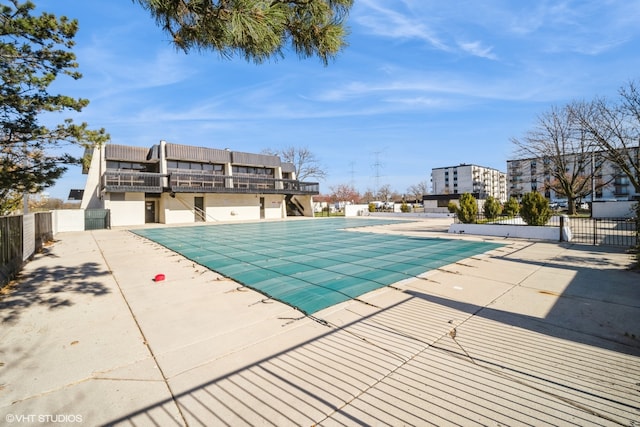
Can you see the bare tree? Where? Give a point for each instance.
(344, 193)
(615, 129)
(384, 193)
(418, 190)
(305, 162)
(368, 195)
(566, 153)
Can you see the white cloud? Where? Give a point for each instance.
(477, 49)
(385, 22)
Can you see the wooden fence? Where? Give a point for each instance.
(21, 236)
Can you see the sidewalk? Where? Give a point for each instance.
(531, 333)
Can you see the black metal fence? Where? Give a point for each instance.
(593, 231)
(13, 250)
(604, 231)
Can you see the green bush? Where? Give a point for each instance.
(512, 207)
(404, 207)
(372, 207)
(492, 208)
(535, 209)
(452, 207)
(468, 210)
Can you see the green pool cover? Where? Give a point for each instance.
(314, 264)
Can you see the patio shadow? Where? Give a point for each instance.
(50, 287)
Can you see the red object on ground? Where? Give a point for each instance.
(158, 278)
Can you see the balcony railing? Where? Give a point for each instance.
(124, 181)
(185, 182)
(180, 182)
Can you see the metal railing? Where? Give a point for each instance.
(189, 182)
(121, 181)
(593, 231)
(604, 231)
(209, 183)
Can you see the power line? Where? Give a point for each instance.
(377, 165)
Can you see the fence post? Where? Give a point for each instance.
(565, 229)
(595, 231)
(561, 227)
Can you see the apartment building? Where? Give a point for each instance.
(172, 183)
(468, 178)
(535, 174)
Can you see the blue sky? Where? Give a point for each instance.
(422, 84)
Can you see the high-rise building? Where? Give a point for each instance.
(536, 174)
(466, 178)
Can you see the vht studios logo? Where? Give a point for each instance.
(43, 418)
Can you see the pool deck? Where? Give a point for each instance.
(532, 333)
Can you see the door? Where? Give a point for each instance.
(262, 207)
(198, 204)
(149, 212)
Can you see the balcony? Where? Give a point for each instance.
(189, 182)
(180, 182)
(135, 182)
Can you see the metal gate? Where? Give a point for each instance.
(604, 231)
(97, 219)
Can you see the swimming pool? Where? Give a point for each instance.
(312, 264)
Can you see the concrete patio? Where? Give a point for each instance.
(532, 333)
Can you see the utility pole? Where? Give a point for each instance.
(352, 171)
(376, 167)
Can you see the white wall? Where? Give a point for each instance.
(465, 180)
(180, 209)
(356, 210)
(431, 206)
(306, 201)
(28, 235)
(67, 220)
(520, 231)
(176, 210)
(130, 211)
(273, 207)
(90, 197)
(235, 207)
(620, 209)
(218, 207)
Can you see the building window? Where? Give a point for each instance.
(253, 171)
(131, 166)
(216, 169)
